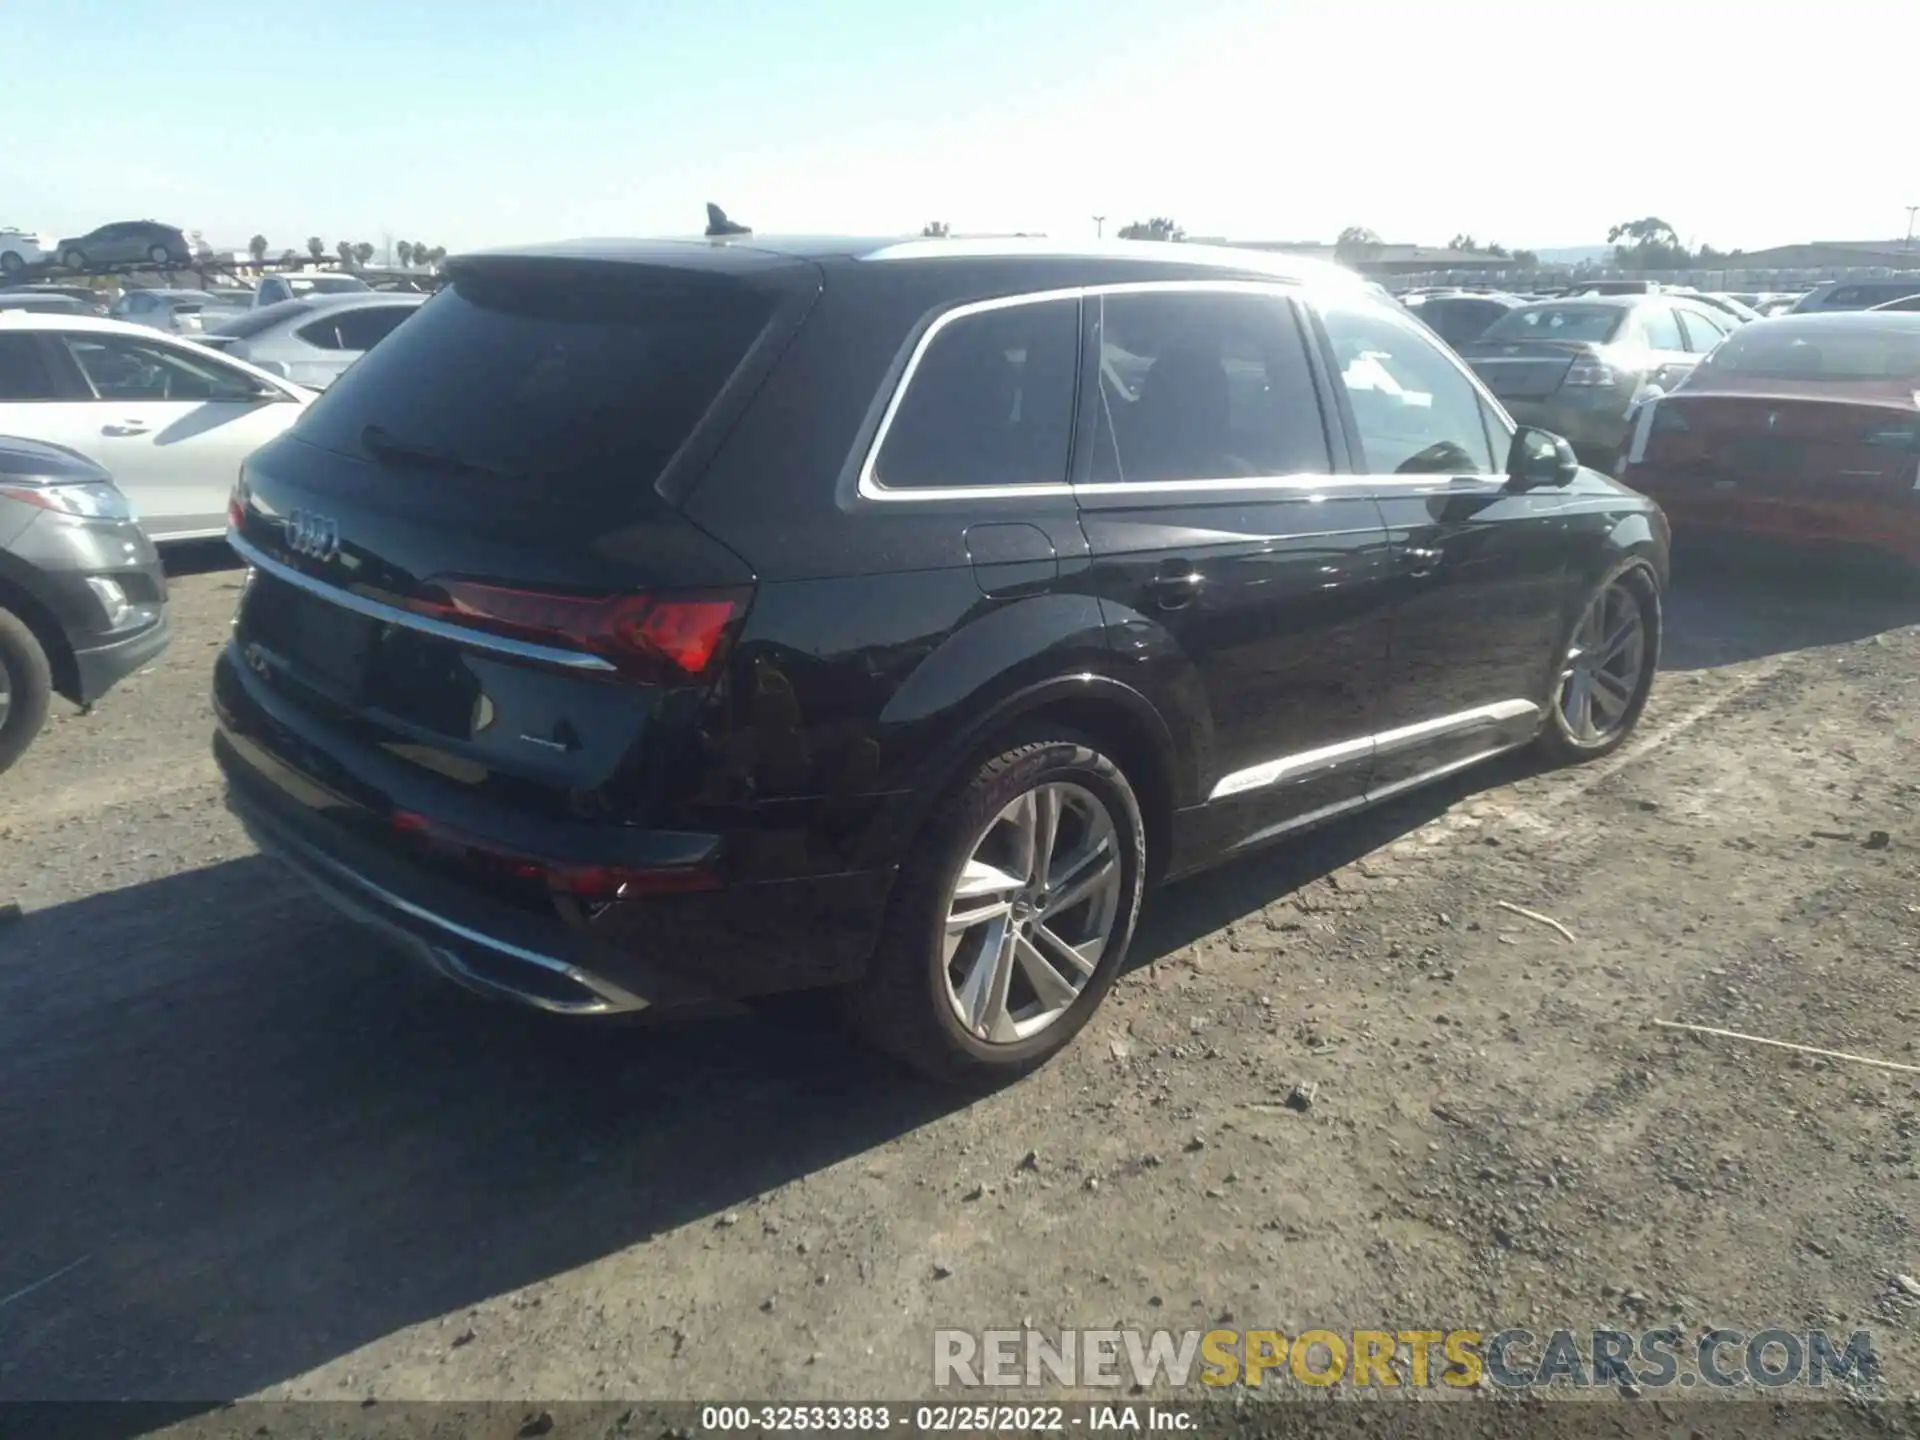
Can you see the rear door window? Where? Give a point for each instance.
(585, 390)
(1660, 329)
(367, 326)
(1702, 334)
(989, 403)
(1204, 386)
(121, 368)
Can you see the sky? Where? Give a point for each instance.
(482, 122)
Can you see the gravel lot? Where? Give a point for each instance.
(248, 1152)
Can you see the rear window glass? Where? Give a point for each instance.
(1592, 324)
(266, 317)
(1458, 321)
(990, 403)
(1799, 354)
(584, 389)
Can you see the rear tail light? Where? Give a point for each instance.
(1589, 370)
(651, 637)
(564, 877)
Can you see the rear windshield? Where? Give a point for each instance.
(324, 284)
(1796, 354)
(1592, 324)
(582, 388)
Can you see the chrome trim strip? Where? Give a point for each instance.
(612, 997)
(1308, 763)
(1374, 797)
(394, 615)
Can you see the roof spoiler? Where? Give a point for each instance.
(718, 225)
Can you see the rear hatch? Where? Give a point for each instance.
(471, 595)
(1812, 440)
(1523, 369)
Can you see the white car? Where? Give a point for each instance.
(272, 289)
(22, 248)
(181, 312)
(312, 341)
(170, 420)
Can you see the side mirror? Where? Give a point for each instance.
(1539, 458)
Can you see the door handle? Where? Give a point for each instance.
(1174, 586)
(129, 427)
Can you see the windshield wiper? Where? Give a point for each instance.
(389, 447)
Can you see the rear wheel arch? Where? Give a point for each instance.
(1108, 714)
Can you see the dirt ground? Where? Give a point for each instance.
(249, 1153)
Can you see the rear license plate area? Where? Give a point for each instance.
(321, 644)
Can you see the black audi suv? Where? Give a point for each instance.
(649, 622)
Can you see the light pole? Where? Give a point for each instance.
(1911, 211)
(1100, 227)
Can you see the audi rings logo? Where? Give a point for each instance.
(315, 536)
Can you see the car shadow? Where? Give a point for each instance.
(241, 1140)
(1731, 602)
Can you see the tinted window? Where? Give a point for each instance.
(585, 390)
(1702, 333)
(367, 326)
(1594, 324)
(1458, 321)
(1660, 329)
(24, 373)
(1202, 386)
(1416, 411)
(125, 369)
(990, 403)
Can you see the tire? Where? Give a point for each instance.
(910, 1003)
(26, 685)
(74, 259)
(12, 262)
(1617, 683)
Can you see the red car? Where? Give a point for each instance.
(1803, 427)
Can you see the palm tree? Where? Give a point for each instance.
(288, 256)
(936, 230)
(316, 247)
(257, 247)
(345, 251)
(437, 254)
(405, 251)
(363, 251)
(419, 247)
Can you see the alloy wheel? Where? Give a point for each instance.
(1031, 913)
(1602, 672)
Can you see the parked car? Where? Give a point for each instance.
(313, 341)
(20, 250)
(1459, 316)
(644, 621)
(83, 600)
(1803, 428)
(90, 301)
(1579, 367)
(273, 289)
(180, 312)
(1855, 294)
(44, 304)
(169, 420)
(126, 242)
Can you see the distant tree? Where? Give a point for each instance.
(937, 230)
(257, 247)
(1525, 259)
(405, 251)
(345, 251)
(1647, 244)
(288, 256)
(419, 247)
(316, 247)
(437, 254)
(1158, 228)
(363, 252)
(1462, 242)
(1356, 243)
